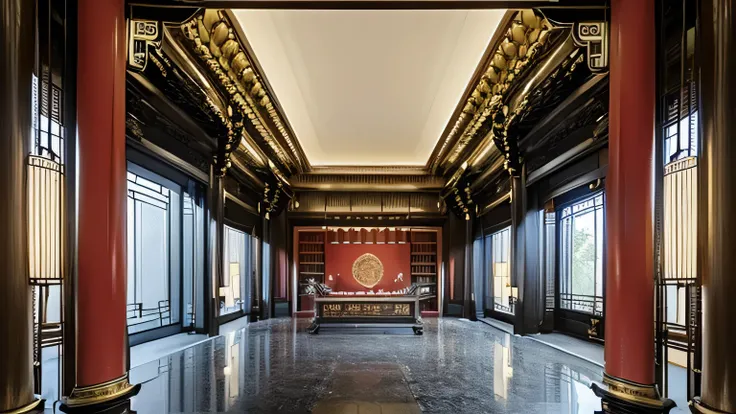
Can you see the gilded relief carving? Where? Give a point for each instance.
(525, 38)
(340, 310)
(214, 40)
(368, 270)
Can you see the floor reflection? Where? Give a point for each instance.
(456, 366)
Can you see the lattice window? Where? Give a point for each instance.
(581, 256)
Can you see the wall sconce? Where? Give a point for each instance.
(46, 221)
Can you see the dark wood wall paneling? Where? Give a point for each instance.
(280, 246)
(569, 182)
(523, 214)
(457, 242)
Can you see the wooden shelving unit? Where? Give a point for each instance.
(310, 263)
(424, 266)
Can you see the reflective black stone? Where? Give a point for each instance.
(457, 366)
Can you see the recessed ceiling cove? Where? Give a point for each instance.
(368, 87)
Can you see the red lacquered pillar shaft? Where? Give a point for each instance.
(629, 348)
(101, 321)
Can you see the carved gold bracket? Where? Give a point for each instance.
(593, 36)
(142, 33)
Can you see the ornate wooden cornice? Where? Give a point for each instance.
(217, 40)
(373, 4)
(526, 35)
(361, 204)
(200, 109)
(368, 183)
(535, 66)
(369, 170)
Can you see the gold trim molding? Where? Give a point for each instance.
(697, 406)
(525, 37)
(213, 38)
(99, 393)
(33, 406)
(647, 395)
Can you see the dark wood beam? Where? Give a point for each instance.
(301, 161)
(372, 4)
(570, 105)
(158, 102)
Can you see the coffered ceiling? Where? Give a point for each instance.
(371, 88)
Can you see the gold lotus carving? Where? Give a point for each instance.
(368, 270)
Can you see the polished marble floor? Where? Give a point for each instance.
(457, 366)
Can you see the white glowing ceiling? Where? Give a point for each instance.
(368, 87)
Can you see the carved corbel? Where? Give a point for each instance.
(593, 36)
(143, 34)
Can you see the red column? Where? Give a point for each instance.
(101, 317)
(629, 348)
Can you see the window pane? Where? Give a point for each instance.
(231, 293)
(488, 246)
(501, 270)
(188, 257)
(581, 256)
(149, 235)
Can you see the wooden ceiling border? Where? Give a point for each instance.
(520, 46)
(459, 117)
(372, 4)
(213, 36)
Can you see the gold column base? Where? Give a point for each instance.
(697, 406)
(34, 406)
(620, 395)
(99, 394)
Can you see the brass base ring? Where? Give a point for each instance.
(628, 396)
(100, 394)
(697, 406)
(34, 406)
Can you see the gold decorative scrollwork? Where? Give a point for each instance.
(593, 330)
(368, 270)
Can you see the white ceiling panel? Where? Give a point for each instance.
(372, 87)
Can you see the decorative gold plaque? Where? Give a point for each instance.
(368, 270)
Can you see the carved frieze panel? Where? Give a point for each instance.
(212, 36)
(594, 37)
(142, 34)
(526, 40)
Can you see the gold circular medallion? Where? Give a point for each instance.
(368, 270)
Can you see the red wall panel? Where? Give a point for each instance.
(339, 258)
